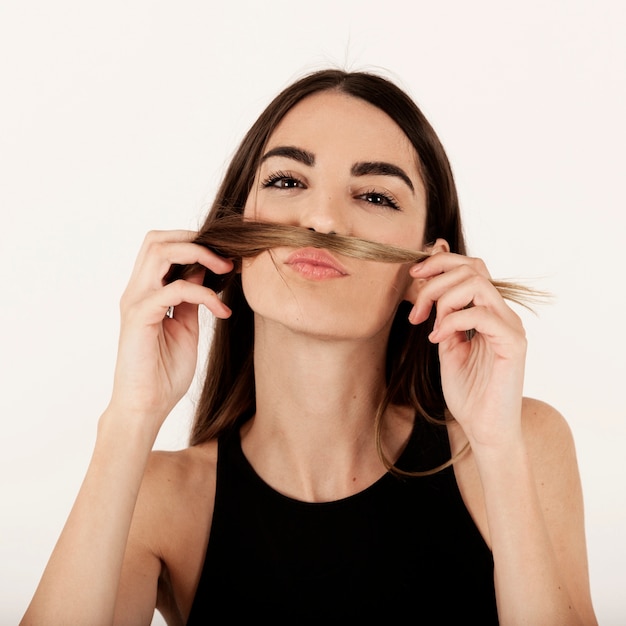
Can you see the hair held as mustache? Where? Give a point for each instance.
(234, 238)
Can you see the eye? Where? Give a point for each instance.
(380, 199)
(282, 180)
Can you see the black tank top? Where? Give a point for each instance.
(404, 549)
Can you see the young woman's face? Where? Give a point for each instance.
(335, 164)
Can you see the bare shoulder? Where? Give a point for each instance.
(540, 419)
(549, 439)
(175, 473)
(552, 451)
(177, 493)
(170, 527)
(547, 435)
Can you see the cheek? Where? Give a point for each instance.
(409, 235)
(258, 275)
(407, 232)
(252, 269)
(388, 285)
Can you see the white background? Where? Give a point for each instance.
(119, 117)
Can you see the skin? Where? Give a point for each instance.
(139, 526)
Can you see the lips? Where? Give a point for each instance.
(315, 263)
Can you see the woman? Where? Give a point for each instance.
(361, 447)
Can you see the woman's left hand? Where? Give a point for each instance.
(482, 377)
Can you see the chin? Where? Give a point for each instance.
(347, 308)
(322, 321)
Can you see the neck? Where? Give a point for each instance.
(323, 383)
(313, 434)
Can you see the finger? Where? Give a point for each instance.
(472, 291)
(182, 292)
(153, 308)
(164, 236)
(158, 255)
(429, 291)
(441, 262)
(481, 320)
(189, 254)
(196, 278)
(171, 235)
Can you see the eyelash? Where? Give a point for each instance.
(388, 201)
(276, 177)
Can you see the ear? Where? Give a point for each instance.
(439, 245)
(413, 285)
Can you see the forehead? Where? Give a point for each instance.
(348, 126)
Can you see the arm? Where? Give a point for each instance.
(155, 365)
(534, 528)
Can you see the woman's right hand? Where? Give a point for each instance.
(155, 365)
(157, 355)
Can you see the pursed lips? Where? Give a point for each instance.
(315, 263)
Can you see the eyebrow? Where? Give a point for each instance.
(291, 152)
(376, 168)
(380, 168)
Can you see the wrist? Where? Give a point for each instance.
(124, 427)
(500, 467)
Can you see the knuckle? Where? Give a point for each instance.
(152, 237)
(480, 266)
(179, 287)
(161, 252)
(476, 280)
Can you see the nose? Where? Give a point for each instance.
(325, 214)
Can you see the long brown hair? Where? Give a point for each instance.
(412, 363)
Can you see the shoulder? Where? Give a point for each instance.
(174, 473)
(548, 437)
(549, 442)
(547, 434)
(551, 451)
(177, 485)
(539, 416)
(545, 430)
(172, 520)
